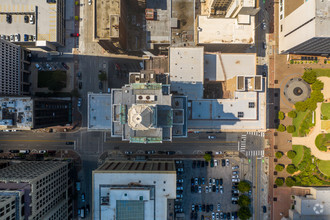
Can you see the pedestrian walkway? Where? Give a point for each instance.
(243, 143)
(261, 134)
(254, 153)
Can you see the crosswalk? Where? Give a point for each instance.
(254, 153)
(255, 133)
(243, 143)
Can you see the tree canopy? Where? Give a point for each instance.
(244, 200)
(244, 186)
(244, 213)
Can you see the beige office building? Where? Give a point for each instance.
(40, 190)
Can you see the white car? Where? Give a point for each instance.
(42, 151)
(234, 199)
(217, 215)
(235, 177)
(215, 163)
(227, 162)
(38, 66)
(218, 152)
(211, 137)
(31, 19)
(206, 189)
(48, 66)
(199, 189)
(218, 207)
(213, 216)
(89, 2)
(235, 172)
(263, 25)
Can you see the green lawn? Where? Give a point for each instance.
(302, 117)
(299, 149)
(322, 140)
(46, 78)
(325, 109)
(324, 167)
(322, 72)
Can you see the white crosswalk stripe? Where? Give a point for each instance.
(255, 133)
(254, 153)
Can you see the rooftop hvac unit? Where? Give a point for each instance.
(145, 97)
(150, 14)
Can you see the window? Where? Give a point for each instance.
(251, 104)
(240, 114)
(281, 28)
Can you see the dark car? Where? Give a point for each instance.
(264, 209)
(80, 85)
(208, 152)
(196, 189)
(223, 162)
(65, 66)
(26, 19)
(202, 164)
(213, 188)
(228, 215)
(194, 164)
(206, 163)
(79, 75)
(211, 207)
(87, 209)
(170, 152)
(199, 181)
(221, 181)
(26, 37)
(234, 194)
(207, 208)
(203, 207)
(8, 18)
(100, 85)
(161, 152)
(217, 182)
(192, 189)
(198, 164)
(1, 151)
(69, 143)
(14, 151)
(192, 181)
(195, 215)
(212, 163)
(234, 202)
(75, 35)
(202, 217)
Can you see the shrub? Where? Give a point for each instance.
(77, 3)
(290, 181)
(281, 128)
(244, 200)
(301, 106)
(317, 85)
(292, 114)
(291, 61)
(278, 154)
(291, 128)
(279, 167)
(302, 166)
(207, 157)
(291, 168)
(309, 76)
(281, 115)
(244, 186)
(279, 181)
(317, 96)
(291, 154)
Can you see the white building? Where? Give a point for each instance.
(310, 203)
(306, 29)
(40, 190)
(124, 190)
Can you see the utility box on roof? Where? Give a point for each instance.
(150, 14)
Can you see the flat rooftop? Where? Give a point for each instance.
(45, 19)
(224, 31)
(224, 66)
(107, 13)
(99, 111)
(16, 113)
(137, 166)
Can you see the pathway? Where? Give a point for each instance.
(309, 141)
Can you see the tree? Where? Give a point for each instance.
(291, 154)
(291, 168)
(278, 154)
(76, 18)
(317, 96)
(279, 167)
(244, 186)
(290, 181)
(207, 157)
(279, 181)
(317, 85)
(291, 128)
(301, 106)
(292, 114)
(281, 128)
(309, 76)
(244, 213)
(281, 115)
(102, 76)
(244, 200)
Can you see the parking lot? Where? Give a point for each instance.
(204, 187)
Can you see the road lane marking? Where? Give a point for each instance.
(187, 142)
(256, 189)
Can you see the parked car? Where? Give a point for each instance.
(206, 189)
(264, 209)
(42, 151)
(74, 34)
(14, 151)
(234, 202)
(83, 197)
(79, 75)
(221, 181)
(89, 2)
(80, 85)
(235, 176)
(26, 37)
(211, 137)
(8, 18)
(38, 66)
(218, 152)
(79, 102)
(223, 162)
(69, 143)
(235, 167)
(235, 172)
(26, 19)
(227, 162)
(264, 45)
(17, 37)
(215, 163)
(24, 151)
(218, 207)
(170, 152)
(263, 25)
(48, 66)
(31, 19)
(65, 66)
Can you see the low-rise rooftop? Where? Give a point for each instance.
(99, 111)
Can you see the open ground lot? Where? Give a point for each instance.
(197, 196)
(46, 78)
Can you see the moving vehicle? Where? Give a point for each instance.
(74, 34)
(264, 45)
(24, 151)
(79, 102)
(83, 197)
(80, 85)
(82, 212)
(211, 137)
(263, 25)
(78, 186)
(69, 143)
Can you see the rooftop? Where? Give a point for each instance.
(143, 191)
(99, 111)
(224, 31)
(44, 16)
(16, 113)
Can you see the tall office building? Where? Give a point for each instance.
(36, 190)
(13, 69)
(304, 30)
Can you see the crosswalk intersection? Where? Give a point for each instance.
(250, 153)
